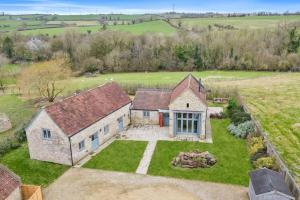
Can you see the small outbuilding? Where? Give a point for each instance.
(9, 185)
(266, 184)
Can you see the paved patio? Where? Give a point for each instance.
(79, 183)
(146, 133)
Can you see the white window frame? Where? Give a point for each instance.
(146, 114)
(106, 129)
(81, 145)
(46, 132)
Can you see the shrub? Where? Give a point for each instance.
(241, 130)
(239, 117)
(7, 145)
(20, 135)
(256, 147)
(267, 162)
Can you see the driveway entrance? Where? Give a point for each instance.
(88, 184)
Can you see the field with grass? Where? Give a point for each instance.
(232, 165)
(249, 22)
(31, 171)
(58, 31)
(121, 155)
(18, 110)
(158, 26)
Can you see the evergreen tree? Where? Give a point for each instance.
(8, 47)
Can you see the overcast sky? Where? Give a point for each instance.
(145, 6)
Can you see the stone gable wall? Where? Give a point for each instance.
(56, 149)
(195, 104)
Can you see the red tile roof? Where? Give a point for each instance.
(189, 82)
(8, 182)
(84, 109)
(151, 99)
(155, 99)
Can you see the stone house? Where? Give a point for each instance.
(183, 109)
(9, 185)
(68, 130)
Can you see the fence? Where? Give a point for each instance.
(31, 192)
(289, 179)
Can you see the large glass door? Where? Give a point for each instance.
(187, 123)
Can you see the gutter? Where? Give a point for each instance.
(72, 162)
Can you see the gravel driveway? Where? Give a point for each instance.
(79, 183)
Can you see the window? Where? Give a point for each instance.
(81, 145)
(146, 114)
(46, 133)
(106, 129)
(187, 105)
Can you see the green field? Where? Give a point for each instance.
(57, 31)
(19, 112)
(249, 22)
(158, 26)
(232, 165)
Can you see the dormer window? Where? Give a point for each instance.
(46, 133)
(187, 105)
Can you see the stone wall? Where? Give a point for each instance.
(111, 120)
(5, 123)
(180, 104)
(137, 118)
(56, 149)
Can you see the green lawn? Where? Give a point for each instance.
(231, 153)
(19, 112)
(31, 171)
(158, 26)
(249, 22)
(121, 155)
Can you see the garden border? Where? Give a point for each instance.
(271, 150)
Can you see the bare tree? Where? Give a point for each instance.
(43, 78)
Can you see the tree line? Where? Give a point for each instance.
(108, 51)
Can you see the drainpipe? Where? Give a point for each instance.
(72, 162)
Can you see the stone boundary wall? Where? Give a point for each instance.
(271, 150)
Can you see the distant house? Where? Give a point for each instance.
(68, 130)
(266, 184)
(9, 185)
(183, 109)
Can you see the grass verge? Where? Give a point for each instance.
(121, 155)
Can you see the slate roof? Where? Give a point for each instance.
(155, 99)
(151, 99)
(84, 109)
(8, 182)
(265, 180)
